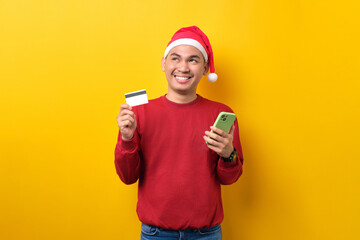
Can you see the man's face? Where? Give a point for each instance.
(184, 67)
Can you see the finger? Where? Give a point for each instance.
(127, 119)
(219, 138)
(213, 135)
(127, 112)
(219, 150)
(218, 131)
(212, 142)
(123, 116)
(126, 124)
(214, 148)
(232, 130)
(125, 106)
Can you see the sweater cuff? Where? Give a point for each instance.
(225, 165)
(130, 145)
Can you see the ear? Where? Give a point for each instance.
(163, 64)
(206, 68)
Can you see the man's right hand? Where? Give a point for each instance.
(126, 121)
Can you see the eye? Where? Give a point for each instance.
(175, 59)
(193, 60)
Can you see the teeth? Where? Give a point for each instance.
(182, 78)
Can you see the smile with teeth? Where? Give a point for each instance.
(182, 78)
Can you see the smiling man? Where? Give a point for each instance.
(163, 145)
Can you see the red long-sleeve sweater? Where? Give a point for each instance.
(179, 176)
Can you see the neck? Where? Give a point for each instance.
(179, 98)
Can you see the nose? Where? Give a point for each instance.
(183, 66)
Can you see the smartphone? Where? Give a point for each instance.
(224, 121)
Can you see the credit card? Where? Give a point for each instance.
(136, 98)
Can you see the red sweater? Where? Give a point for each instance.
(179, 176)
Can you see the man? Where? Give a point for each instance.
(163, 145)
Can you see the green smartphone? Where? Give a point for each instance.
(224, 121)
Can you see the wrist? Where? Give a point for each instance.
(127, 138)
(228, 154)
(232, 157)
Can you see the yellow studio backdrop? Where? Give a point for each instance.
(289, 69)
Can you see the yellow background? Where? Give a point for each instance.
(289, 69)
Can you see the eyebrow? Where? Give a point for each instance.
(192, 56)
(195, 56)
(175, 54)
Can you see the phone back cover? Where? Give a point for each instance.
(225, 121)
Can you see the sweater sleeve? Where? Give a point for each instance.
(127, 159)
(229, 172)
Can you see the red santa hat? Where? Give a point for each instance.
(193, 36)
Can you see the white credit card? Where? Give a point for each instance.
(136, 98)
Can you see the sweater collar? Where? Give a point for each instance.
(181, 105)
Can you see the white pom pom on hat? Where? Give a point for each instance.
(212, 77)
(193, 36)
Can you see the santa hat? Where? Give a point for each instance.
(193, 36)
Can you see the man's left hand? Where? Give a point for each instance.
(220, 141)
